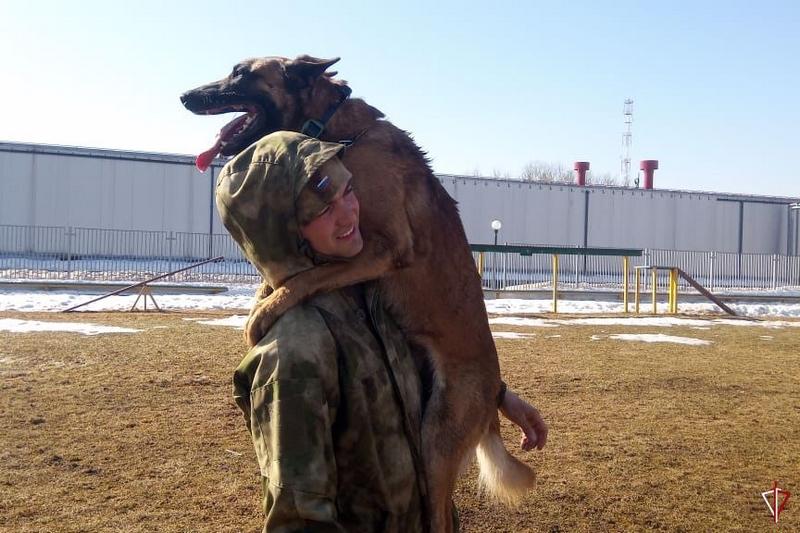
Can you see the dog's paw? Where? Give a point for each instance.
(263, 291)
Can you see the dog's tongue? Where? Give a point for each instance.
(204, 160)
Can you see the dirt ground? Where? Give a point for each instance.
(138, 432)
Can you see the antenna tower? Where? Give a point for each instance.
(627, 136)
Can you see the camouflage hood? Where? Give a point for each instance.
(257, 194)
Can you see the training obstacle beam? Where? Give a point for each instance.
(556, 251)
(675, 273)
(145, 290)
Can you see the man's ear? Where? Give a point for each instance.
(304, 70)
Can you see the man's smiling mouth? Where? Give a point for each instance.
(348, 233)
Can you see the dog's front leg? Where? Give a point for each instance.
(369, 264)
(263, 291)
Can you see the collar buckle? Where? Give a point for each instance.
(313, 128)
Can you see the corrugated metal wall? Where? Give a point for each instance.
(43, 185)
(540, 213)
(59, 186)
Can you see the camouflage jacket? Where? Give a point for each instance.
(332, 397)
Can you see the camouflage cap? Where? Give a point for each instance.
(256, 196)
(321, 189)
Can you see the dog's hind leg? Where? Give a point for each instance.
(451, 428)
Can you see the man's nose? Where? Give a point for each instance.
(339, 210)
(344, 212)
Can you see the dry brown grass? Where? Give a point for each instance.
(138, 432)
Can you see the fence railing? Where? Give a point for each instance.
(717, 271)
(41, 252)
(503, 271)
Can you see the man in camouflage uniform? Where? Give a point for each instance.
(331, 395)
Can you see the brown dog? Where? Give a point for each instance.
(415, 246)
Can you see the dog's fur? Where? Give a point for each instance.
(415, 246)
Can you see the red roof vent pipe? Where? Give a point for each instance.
(580, 172)
(649, 167)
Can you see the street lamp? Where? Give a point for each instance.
(496, 225)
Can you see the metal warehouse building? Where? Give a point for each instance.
(69, 187)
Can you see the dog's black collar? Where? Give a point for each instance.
(315, 128)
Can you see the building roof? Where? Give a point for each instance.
(183, 159)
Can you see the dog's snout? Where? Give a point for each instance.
(194, 100)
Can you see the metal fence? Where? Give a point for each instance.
(717, 271)
(504, 271)
(40, 252)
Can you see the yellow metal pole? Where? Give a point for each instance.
(675, 291)
(555, 283)
(655, 280)
(625, 264)
(480, 264)
(637, 285)
(669, 291)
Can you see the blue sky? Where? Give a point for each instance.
(484, 87)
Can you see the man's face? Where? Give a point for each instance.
(334, 231)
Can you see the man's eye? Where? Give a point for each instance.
(348, 189)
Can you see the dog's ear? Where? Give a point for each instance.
(303, 70)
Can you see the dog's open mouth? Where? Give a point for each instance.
(234, 136)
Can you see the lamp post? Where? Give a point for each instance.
(496, 225)
(796, 208)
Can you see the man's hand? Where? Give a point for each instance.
(527, 417)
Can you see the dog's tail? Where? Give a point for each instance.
(503, 476)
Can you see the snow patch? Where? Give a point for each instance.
(235, 321)
(643, 321)
(511, 306)
(84, 328)
(658, 321)
(242, 297)
(658, 337)
(238, 297)
(511, 335)
(521, 321)
(772, 324)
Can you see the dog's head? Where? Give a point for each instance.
(272, 92)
